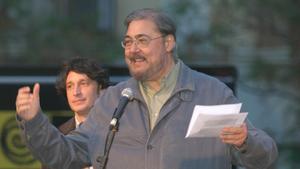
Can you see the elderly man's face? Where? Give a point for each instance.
(148, 54)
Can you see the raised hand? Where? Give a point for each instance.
(27, 103)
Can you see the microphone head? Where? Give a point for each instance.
(127, 92)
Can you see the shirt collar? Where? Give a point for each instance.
(166, 82)
(77, 123)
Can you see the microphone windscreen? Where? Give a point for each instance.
(127, 92)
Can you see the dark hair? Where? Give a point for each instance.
(163, 22)
(85, 66)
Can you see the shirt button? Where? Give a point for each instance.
(149, 147)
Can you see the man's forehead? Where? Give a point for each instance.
(75, 75)
(137, 36)
(141, 27)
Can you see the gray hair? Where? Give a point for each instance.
(164, 23)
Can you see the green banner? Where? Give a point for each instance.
(13, 152)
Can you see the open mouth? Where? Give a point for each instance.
(137, 59)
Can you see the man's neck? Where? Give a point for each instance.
(156, 83)
(80, 117)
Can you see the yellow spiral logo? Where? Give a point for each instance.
(13, 147)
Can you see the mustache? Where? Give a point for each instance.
(135, 57)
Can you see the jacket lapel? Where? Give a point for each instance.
(68, 126)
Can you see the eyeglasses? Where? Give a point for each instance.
(141, 41)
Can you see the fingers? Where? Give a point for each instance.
(23, 98)
(36, 91)
(27, 103)
(233, 130)
(234, 135)
(235, 139)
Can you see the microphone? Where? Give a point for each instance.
(126, 96)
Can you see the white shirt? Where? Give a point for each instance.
(77, 123)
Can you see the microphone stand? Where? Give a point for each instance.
(127, 95)
(113, 128)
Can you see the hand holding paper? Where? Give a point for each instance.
(208, 121)
(234, 135)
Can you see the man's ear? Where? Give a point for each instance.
(170, 43)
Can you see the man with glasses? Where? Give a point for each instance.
(152, 129)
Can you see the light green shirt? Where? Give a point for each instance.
(156, 99)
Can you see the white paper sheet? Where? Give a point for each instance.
(208, 121)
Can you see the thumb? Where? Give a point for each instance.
(36, 91)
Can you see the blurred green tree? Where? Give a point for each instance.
(263, 35)
(49, 31)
